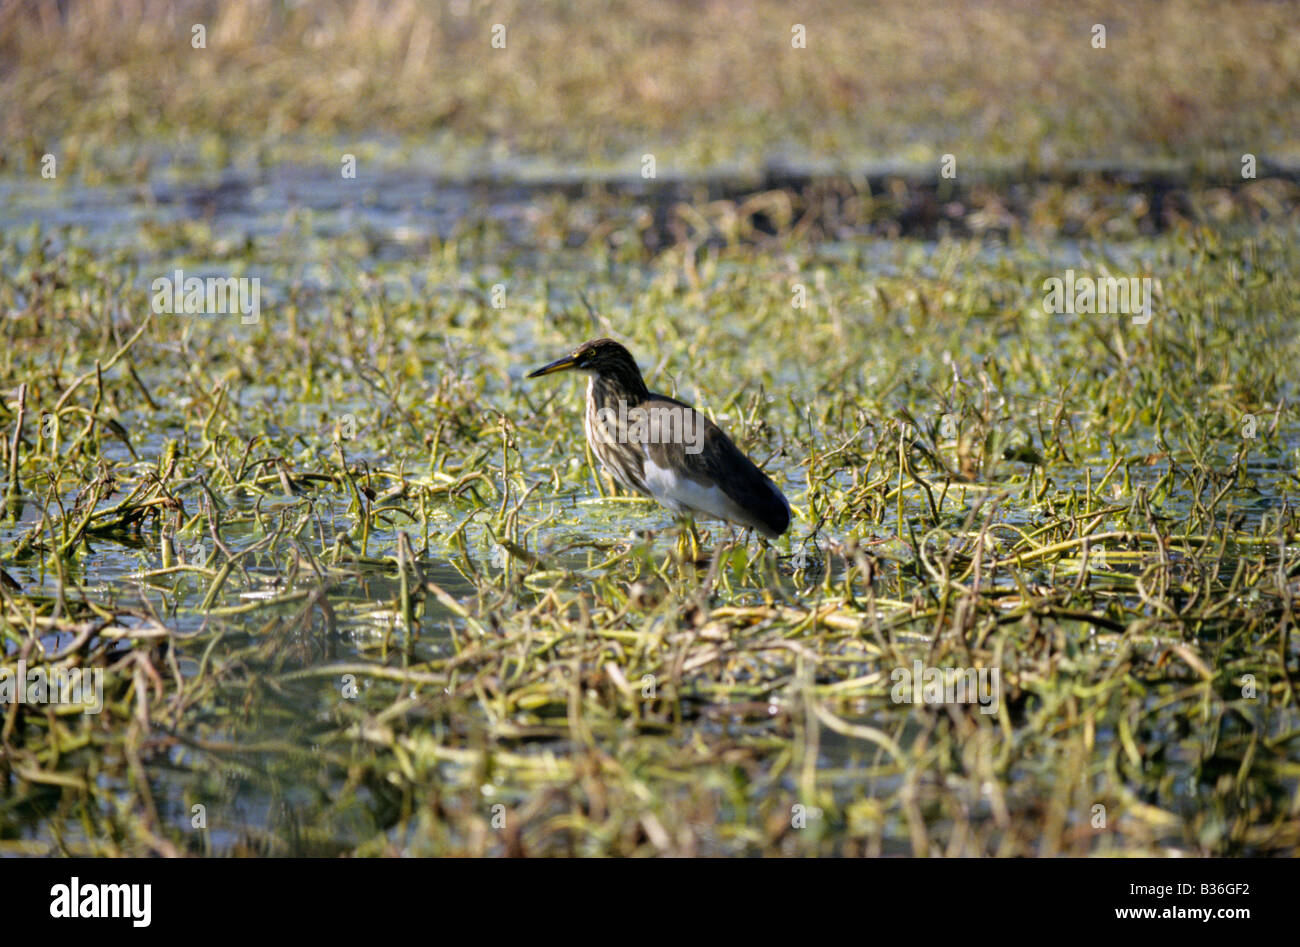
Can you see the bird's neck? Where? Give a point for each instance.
(605, 391)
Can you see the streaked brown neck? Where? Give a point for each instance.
(608, 387)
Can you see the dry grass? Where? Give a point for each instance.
(1187, 83)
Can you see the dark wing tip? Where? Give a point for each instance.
(774, 513)
(740, 478)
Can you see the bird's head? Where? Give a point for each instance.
(599, 357)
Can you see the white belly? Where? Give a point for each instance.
(683, 495)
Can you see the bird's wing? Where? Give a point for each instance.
(706, 457)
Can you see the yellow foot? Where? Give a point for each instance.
(689, 548)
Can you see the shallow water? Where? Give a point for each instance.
(308, 235)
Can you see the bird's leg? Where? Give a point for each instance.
(688, 541)
(697, 548)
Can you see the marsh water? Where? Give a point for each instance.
(267, 749)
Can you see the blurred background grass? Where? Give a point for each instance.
(1190, 85)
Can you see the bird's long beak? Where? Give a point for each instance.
(559, 365)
